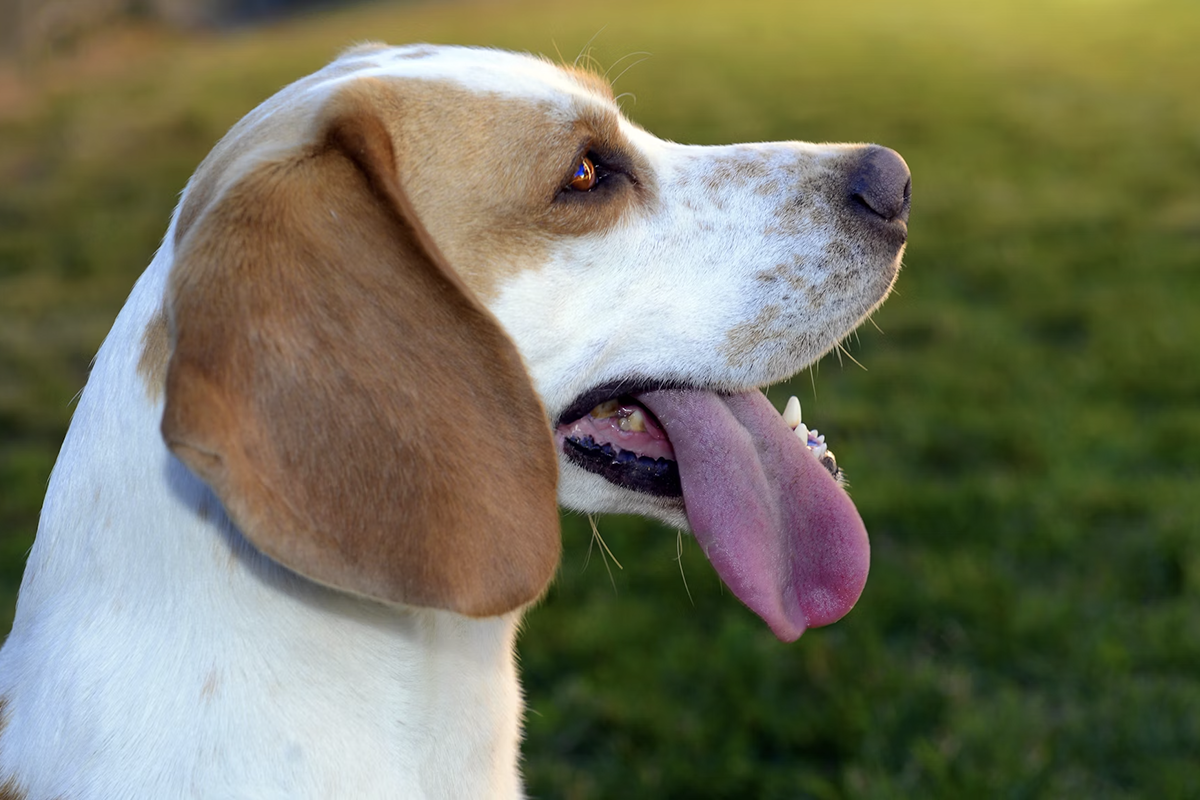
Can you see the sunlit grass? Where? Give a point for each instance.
(1023, 443)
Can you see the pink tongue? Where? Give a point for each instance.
(781, 533)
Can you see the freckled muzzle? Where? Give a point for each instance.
(762, 493)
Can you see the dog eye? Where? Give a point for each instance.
(585, 178)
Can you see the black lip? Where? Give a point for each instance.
(658, 477)
(613, 389)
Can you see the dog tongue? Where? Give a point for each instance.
(779, 530)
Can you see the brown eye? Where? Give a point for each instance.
(585, 176)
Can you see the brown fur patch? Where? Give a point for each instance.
(319, 340)
(789, 273)
(483, 171)
(743, 338)
(593, 82)
(156, 347)
(486, 173)
(319, 335)
(279, 125)
(9, 789)
(745, 342)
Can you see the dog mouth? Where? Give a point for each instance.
(762, 494)
(622, 441)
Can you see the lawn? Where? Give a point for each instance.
(1023, 437)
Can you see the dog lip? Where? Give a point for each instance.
(631, 386)
(624, 468)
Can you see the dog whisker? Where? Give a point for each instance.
(585, 53)
(596, 537)
(679, 561)
(613, 81)
(623, 95)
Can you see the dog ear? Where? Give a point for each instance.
(362, 417)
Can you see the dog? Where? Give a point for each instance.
(405, 308)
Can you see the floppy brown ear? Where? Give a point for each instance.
(362, 417)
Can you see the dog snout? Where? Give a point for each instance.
(880, 185)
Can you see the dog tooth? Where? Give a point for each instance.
(802, 433)
(606, 409)
(635, 420)
(816, 443)
(791, 412)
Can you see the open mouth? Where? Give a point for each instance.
(763, 495)
(622, 441)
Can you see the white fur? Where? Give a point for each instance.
(155, 654)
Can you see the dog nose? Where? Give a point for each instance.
(881, 184)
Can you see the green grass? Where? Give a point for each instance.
(1024, 443)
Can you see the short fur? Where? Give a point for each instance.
(310, 486)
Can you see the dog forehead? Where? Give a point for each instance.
(482, 70)
(532, 87)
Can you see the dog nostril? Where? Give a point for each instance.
(881, 184)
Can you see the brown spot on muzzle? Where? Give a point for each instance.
(837, 229)
(738, 171)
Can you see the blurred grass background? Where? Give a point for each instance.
(1023, 443)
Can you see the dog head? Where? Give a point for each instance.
(584, 293)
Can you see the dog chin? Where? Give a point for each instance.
(588, 493)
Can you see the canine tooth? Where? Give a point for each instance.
(802, 432)
(605, 409)
(791, 412)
